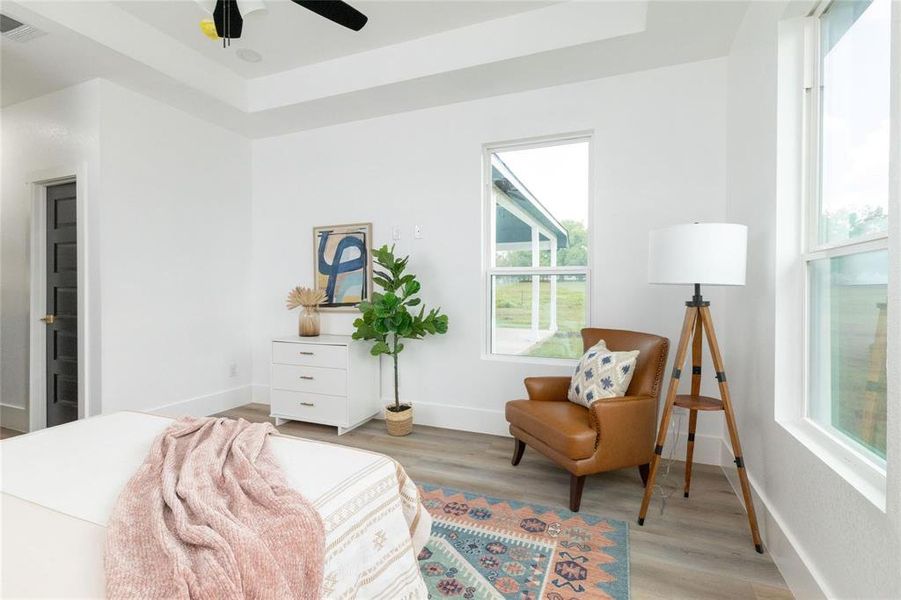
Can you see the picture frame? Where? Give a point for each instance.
(342, 265)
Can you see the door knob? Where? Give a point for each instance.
(48, 319)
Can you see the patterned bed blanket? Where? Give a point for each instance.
(375, 526)
(61, 484)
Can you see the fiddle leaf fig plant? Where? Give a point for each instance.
(390, 316)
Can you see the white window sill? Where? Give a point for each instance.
(533, 360)
(861, 473)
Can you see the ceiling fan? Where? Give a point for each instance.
(228, 15)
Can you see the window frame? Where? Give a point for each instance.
(832, 442)
(489, 256)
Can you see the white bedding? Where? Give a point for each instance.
(59, 486)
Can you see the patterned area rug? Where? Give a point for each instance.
(483, 547)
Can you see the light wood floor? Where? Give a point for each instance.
(699, 548)
(8, 433)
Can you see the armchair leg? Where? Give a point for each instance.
(518, 450)
(576, 483)
(643, 471)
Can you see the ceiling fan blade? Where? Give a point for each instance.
(228, 19)
(341, 13)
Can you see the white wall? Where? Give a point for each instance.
(175, 258)
(659, 160)
(59, 130)
(826, 538)
(169, 246)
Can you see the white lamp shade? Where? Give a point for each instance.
(705, 253)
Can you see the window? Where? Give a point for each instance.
(537, 255)
(846, 252)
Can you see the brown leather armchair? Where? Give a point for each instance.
(613, 434)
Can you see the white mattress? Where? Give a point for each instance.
(59, 487)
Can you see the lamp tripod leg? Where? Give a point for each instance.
(690, 449)
(691, 318)
(707, 322)
(697, 347)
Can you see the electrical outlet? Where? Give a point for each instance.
(233, 370)
(395, 233)
(417, 232)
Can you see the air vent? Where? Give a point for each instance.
(16, 31)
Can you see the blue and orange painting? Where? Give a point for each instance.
(342, 263)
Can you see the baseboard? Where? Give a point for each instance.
(801, 576)
(460, 418)
(259, 393)
(482, 420)
(209, 404)
(14, 417)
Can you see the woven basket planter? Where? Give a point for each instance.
(399, 423)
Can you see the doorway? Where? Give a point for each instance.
(61, 318)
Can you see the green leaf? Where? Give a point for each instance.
(412, 287)
(386, 316)
(380, 348)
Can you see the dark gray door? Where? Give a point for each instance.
(62, 306)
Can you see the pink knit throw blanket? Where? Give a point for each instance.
(209, 515)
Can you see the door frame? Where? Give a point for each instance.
(37, 184)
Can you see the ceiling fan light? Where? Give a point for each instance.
(209, 29)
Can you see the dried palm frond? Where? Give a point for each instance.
(301, 296)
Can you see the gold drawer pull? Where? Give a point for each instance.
(306, 353)
(307, 404)
(307, 377)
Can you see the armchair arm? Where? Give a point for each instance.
(627, 428)
(547, 388)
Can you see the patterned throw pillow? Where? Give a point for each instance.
(602, 373)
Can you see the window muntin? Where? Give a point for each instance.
(538, 281)
(846, 253)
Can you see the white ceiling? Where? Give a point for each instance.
(289, 36)
(329, 75)
(50, 62)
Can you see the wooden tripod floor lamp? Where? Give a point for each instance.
(696, 254)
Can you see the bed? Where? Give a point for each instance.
(59, 487)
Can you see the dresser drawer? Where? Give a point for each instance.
(314, 380)
(315, 408)
(311, 355)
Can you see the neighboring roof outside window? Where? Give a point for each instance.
(511, 229)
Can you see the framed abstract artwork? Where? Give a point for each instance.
(342, 264)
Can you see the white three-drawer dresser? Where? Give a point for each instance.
(329, 379)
